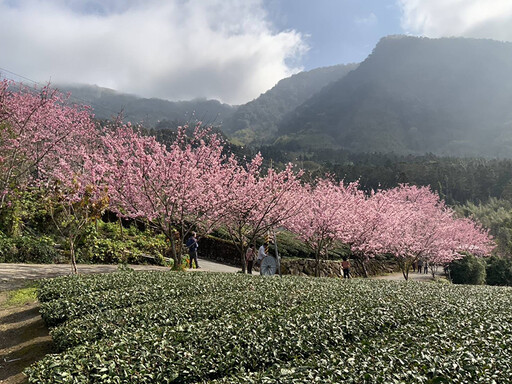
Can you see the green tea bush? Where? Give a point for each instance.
(220, 328)
(468, 270)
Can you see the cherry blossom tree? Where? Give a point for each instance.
(364, 224)
(175, 189)
(417, 224)
(257, 202)
(76, 190)
(34, 125)
(48, 144)
(326, 215)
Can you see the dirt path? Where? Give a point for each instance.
(24, 339)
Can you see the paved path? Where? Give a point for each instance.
(210, 266)
(14, 276)
(413, 276)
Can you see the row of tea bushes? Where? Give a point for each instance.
(243, 329)
(127, 289)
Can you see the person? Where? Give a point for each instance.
(262, 254)
(345, 264)
(420, 265)
(425, 268)
(250, 255)
(192, 246)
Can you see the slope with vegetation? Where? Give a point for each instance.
(415, 95)
(257, 121)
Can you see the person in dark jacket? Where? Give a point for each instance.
(192, 246)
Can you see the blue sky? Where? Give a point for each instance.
(337, 31)
(230, 50)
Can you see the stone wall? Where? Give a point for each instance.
(330, 268)
(223, 251)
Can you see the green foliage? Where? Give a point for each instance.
(468, 270)
(219, 328)
(499, 271)
(110, 244)
(496, 216)
(28, 249)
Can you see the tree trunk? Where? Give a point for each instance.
(317, 266)
(242, 260)
(176, 256)
(72, 254)
(360, 261)
(404, 267)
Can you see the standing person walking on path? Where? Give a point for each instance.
(192, 246)
(425, 268)
(420, 265)
(261, 254)
(250, 255)
(345, 264)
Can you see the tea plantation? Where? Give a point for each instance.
(165, 327)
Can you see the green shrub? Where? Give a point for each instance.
(28, 249)
(107, 244)
(7, 248)
(468, 270)
(499, 271)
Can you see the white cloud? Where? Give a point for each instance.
(174, 49)
(470, 18)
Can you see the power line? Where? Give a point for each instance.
(82, 101)
(94, 105)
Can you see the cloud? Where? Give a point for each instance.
(468, 18)
(174, 49)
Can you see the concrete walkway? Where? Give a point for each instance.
(15, 276)
(413, 276)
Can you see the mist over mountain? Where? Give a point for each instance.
(108, 103)
(449, 96)
(257, 121)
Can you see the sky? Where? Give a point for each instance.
(230, 50)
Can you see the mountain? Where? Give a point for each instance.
(257, 121)
(108, 103)
(449, 96)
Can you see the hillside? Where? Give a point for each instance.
(108, 103)
(257, 121)
(449, 96)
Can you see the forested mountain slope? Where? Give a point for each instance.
(449, 96)
(256, 122)
(107, 103)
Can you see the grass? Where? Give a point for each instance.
(21, 296)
